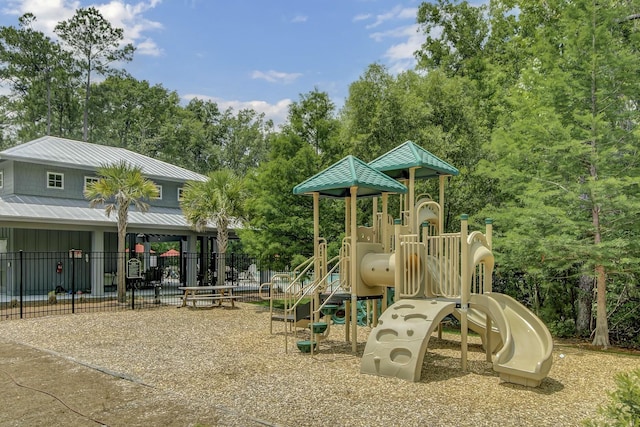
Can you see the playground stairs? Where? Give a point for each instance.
(300, 317)
(319, 330)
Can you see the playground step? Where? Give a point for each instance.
(330, 309)
(318, 327)
(305, 346)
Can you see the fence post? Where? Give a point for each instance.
(233, 268)
(73, 280)
(21, 285)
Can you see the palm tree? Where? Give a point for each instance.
(219, 200)
(120, 185)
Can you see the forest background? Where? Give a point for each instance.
(536, 103)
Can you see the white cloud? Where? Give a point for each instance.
(148, 47)
(128, 16)
(397, 13)
(299, 18)
(276, 112)
(403, 40)
(48, 12)
(361, 17)
(275, 76)
(401, 55)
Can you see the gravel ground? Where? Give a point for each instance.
(224, 361)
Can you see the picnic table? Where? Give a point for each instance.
(208, 293)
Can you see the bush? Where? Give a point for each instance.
(623, 409)
(562, 328)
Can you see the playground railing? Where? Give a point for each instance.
(322, 257)
(345, 261)
(443, 267)
(410, 255)
(317, 286)
(331, 285)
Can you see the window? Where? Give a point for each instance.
(88, 180)
(159, 188)
(1, 179)
(180, 191)
(55, 180)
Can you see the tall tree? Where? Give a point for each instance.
(279, 223)
(183, 141)
(566, 154)
(243, 140)
(313, 119)
(119, 186)
(361, 125)
(456, 33)
(436, 111)
(218, 200)
(35, 67)
(130, 113)
(96, 44)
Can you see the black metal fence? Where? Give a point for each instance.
(45, 283)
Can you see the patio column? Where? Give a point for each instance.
(97, 263)
(191, 262)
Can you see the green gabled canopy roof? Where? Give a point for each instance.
(397, 162)
(337, 180)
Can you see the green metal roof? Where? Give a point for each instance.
(337, 180)
(397, 162)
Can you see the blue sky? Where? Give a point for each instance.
(259, 54)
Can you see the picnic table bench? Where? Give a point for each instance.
(208, 293)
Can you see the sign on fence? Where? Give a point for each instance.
(75, 253)
(134, 269)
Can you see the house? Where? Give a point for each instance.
(43, 208)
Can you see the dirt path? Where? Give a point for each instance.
(39, 388)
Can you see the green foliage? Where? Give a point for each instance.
(623, 308)
(130, 113)
(562, 158)
(218, 201)
(623, 409)
(120, 185)
(39, 75)
(95, 44)
(280, 224)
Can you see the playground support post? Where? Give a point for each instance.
(412, 207)
(442, 205)
(464, 285)
(354, 269)
(316, 255)
(487, 287)
(397, 273)
(383, 223)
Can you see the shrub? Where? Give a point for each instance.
(623, 409)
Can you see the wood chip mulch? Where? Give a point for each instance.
(226, 359)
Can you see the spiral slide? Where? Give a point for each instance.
(526, 355)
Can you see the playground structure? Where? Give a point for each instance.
(433, 274)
